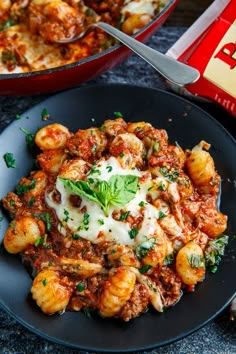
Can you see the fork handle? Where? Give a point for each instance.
(173, 70)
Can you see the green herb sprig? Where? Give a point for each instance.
(117, 191)
(213, 252)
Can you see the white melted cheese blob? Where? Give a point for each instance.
(140, 7)
(97, 227)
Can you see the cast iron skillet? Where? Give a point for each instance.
(67, 76)
(186, 125)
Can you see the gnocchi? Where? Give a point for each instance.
(49, 292)
(116, 291)
(115, 219)
(38, 24)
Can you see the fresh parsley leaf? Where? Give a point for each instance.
(44, 281)
(44, 114)
(29, 137)
(156, 146)
(124, 215)
(118, 115)
(196, 261)
(170, 176)
(46, 217)
(133, 232)
(169, 259)
(23, 188)
(9, 160)
(145, 268)
(109, 168)
(213, 252)
(80, 287)
(8, 56)
(161, 215)
(40, 241)
(144, 247)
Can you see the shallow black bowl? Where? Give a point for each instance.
(187, 125)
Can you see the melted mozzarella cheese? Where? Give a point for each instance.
(140, 7)
(94, 225)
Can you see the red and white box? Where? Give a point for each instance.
(209, 45)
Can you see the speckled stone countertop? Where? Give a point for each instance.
(218, 336)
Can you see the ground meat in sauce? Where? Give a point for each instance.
(170, 286)
(137, 304)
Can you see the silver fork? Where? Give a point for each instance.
(173, 70)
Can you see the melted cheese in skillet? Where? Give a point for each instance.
(140, 7)
(98, 227)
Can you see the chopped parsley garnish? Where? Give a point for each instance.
(162, 186)
(8, 56)
(156, 146)
(85, 223)
(213, 252)
(144, 247)
(109, 168)
(169, 259)
(117, 191)
(196, 261)
(80, 287)
(94, 170)
(44, 114)
(67, 215)
(23, 188)
(46, 217)
(133, 232)
(124, 215)
(75, 236)
(31, 202)
(145, 268)
(18, 116)
(141, 203)
(44, 281)
(118, 115)
(101, 221)
(40, 241)
(94, 148)
(161, 215)
(29, 137)
(170, 176)
(9, 160)
(121, 154)
(86, 219)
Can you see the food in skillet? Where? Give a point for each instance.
(116, 219)
(29, 28)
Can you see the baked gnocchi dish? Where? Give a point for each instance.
(30, 28)
(115, 219)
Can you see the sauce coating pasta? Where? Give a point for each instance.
(116, 219)
(29, 30)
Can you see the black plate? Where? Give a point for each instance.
(187, 125)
